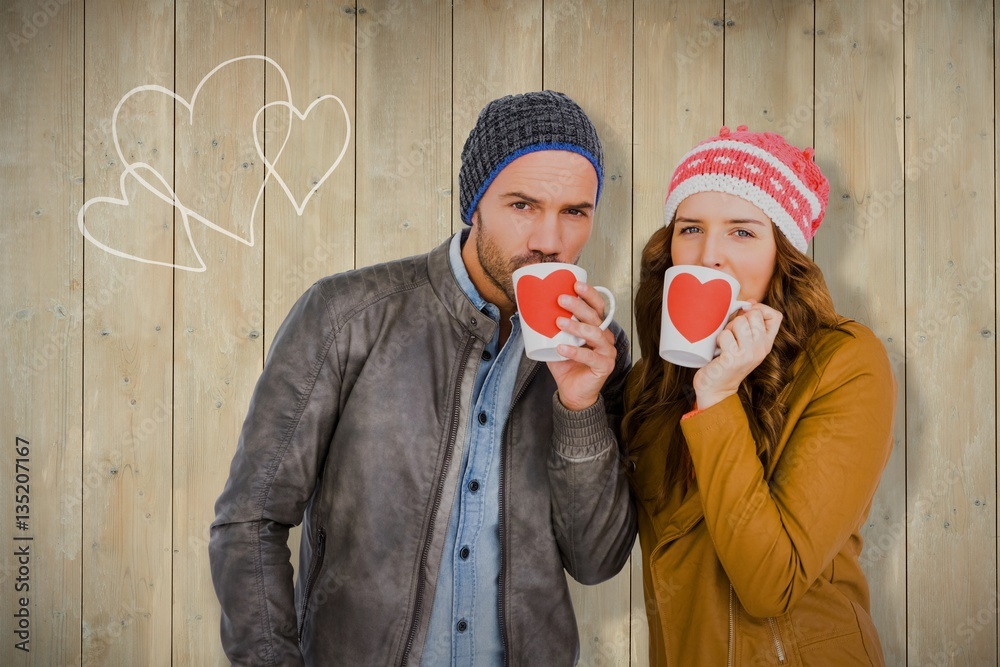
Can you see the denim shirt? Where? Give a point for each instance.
(465, 619)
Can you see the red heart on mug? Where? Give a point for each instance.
(696, 308)
(538, 300)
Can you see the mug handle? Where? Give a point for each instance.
(610, 309)
(737, 305)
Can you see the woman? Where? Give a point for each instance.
(754, 474)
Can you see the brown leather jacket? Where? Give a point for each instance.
(748, 566)
(356, 429)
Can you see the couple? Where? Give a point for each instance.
(445, 482)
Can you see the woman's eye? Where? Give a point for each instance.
(744, 234)
(689, 230)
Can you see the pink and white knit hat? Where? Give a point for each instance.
(761, 167)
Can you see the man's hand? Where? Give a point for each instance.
(581, 377)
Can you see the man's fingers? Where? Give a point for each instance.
(588, 306)
(592, 334)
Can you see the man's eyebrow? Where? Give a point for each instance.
(534, 200)
(521, 195)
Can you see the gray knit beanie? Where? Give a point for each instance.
(516, 125)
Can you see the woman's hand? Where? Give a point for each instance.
(745, 341)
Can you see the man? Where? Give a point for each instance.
(444, 480)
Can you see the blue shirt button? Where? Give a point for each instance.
(474, 485)
(462, 626)
(486, 355)
(482, 418)
(464, 553)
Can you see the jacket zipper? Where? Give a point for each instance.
(777, 639)
(313, 575)
(771, 623)
(452, 437)
(500, 507)
(732, 628)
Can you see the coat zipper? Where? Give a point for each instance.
(771, 623)
(732, 628)
(777, 639)
(500, 522)
(313, 575)
(452, 437)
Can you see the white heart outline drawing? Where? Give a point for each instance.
(190, 107)
(124, 201)
(299, 208)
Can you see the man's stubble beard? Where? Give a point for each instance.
(499, 268)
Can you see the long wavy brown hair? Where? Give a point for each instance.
(659, 392)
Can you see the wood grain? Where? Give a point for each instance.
(860, 247)
(127, 346)
(950, 334)
(41, 310)
(769, 67)
(404, 64)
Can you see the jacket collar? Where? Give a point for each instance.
(453, 298)
(461, 307)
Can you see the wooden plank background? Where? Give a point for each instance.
(129, 380)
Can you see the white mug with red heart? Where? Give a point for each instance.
(537, 288)
(697, 304)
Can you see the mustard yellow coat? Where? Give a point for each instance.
(748, 566)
